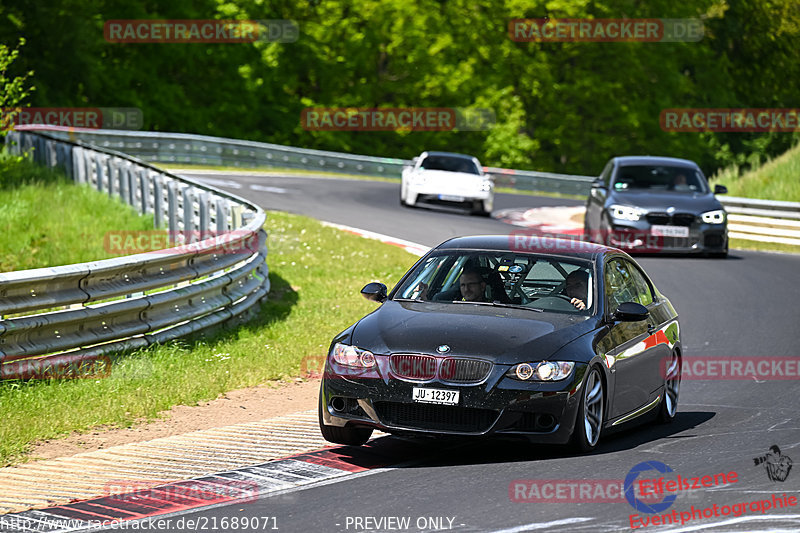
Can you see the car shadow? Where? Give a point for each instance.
(421, 452)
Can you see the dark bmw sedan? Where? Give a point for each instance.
(656, 204)
(496, 335)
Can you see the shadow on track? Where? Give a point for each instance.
(414, 452)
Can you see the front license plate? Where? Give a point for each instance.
(439, 396)
(670, 231)
(449, 198)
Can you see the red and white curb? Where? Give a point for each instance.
(239, 486)
(545, 220)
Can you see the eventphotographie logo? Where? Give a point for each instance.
(775, 463)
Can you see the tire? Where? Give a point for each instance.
(672, 385)
(591, 412)
(721, 255)
(342, 435)
(478, 209)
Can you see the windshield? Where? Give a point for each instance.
(528, 281)
(664, 178)
(449, 164)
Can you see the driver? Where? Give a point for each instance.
(577, 288)
(473, 286)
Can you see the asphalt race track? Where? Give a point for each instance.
(747, 305)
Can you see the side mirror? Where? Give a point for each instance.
(374, 291)
(599, 184)
(630, 312)
(720, 189)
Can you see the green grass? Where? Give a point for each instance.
(746, 244)
(46, 221)
(316, 274)
(778, 179)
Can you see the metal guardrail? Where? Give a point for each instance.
(205, 150)
(179, 148)
(763, 220)
(69, 315)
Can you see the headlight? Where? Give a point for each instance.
(714, 217)
(626, 212)
(352, 356)
(544, 371)
(486, 186)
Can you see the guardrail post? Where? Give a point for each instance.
(79, 164)
(236, 217)
(124, 182)
(189, 223)
(100, 168)
(142, 187)
(223, 216)
(158, 198)
(172, 211)
(205, 214)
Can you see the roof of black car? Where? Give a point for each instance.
(528, 243)
(628, 160)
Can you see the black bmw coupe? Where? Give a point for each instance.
(557, 342)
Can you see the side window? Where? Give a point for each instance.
(620, 286)
(645, 294)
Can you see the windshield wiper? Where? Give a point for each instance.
(500, 304)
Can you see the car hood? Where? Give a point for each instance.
(660, 200)
(504, 335)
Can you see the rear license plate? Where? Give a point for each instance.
(449, 198)
(438, 396)
(670, 231)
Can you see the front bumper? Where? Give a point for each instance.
(454, 197)
(542, 412)
(639, 237)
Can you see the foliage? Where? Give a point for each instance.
(563, 107)
(12, 89)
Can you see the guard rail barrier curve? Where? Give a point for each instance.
(214, 274)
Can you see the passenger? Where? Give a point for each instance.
(577, 288)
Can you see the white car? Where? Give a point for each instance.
(446, 178)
